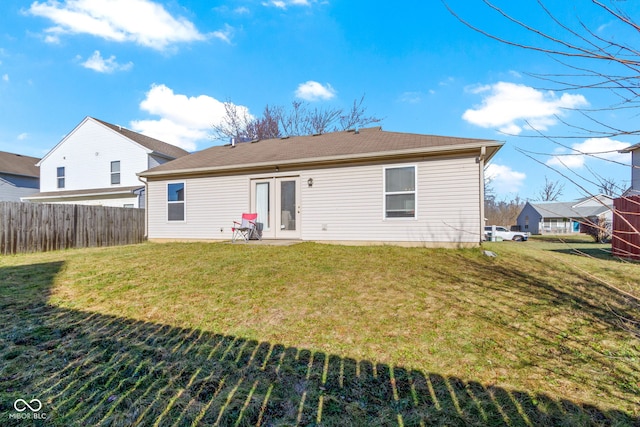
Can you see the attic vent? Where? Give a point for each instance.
(253, 141)
(317, 134)
(285, 137)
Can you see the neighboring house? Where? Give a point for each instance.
(626, 221)
(19, 176)
(366, 186)
(564, 217)
(634, 190)
(97, 163)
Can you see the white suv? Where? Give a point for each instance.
(504, 234)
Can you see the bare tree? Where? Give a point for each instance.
(550, 191)
(593, 61)
(609, 187)
(236, 123)
(502, 212)
(299, 119)
(355, 116)
(607, 62)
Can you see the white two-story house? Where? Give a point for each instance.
(97, 163)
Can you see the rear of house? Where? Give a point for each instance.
(361, 187)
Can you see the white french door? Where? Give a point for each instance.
(277, 203)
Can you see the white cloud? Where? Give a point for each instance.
(141, 21)
(224, 34)
(411, 97)
(507, 105)
(601, 148)
(23, 136)
(97, 63)
(446, 82)
(184, 120)
(504, 180)
(282, 4)
(314, 91)
(5, 77)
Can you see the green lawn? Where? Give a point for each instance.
(546, 333)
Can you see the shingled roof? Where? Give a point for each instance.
(17, 164)
(153, 144)
(568, 210)
(369, 143)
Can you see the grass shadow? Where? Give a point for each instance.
(93, 369)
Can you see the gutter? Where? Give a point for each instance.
(481, 162)
(146, 208)
(73, 196)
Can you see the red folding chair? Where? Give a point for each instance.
(246, 229)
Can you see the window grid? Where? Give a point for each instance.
(60, 173)
(115, 172)
(176, 202)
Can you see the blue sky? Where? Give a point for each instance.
(164, 68)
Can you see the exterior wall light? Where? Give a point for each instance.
(310, 182)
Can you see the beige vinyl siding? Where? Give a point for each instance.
(347, 204)
(210, 204)
(344, 204)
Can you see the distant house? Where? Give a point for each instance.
(19, 176)
(364, 187)
(564, 217)
(97, 163)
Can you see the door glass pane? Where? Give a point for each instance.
(262, 206)
(287, 205)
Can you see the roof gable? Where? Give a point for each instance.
(17, 164)
(153, 145)
(335, 146)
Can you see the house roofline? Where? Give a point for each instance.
(80, 194)
(328, 160)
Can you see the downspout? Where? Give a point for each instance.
(483, 153)
(146, 207)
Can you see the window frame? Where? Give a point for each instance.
(61, 178)
(113, 174)
(386, 193)
(176, 202)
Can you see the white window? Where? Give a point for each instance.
(175, 201)
(60, 175)
(115, 172)
(400, 192)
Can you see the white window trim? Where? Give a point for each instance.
(112, 172)
(385, 194)
(63, 177)
(184, 202)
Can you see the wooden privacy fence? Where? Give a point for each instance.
(625, 242)
(35, 227)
